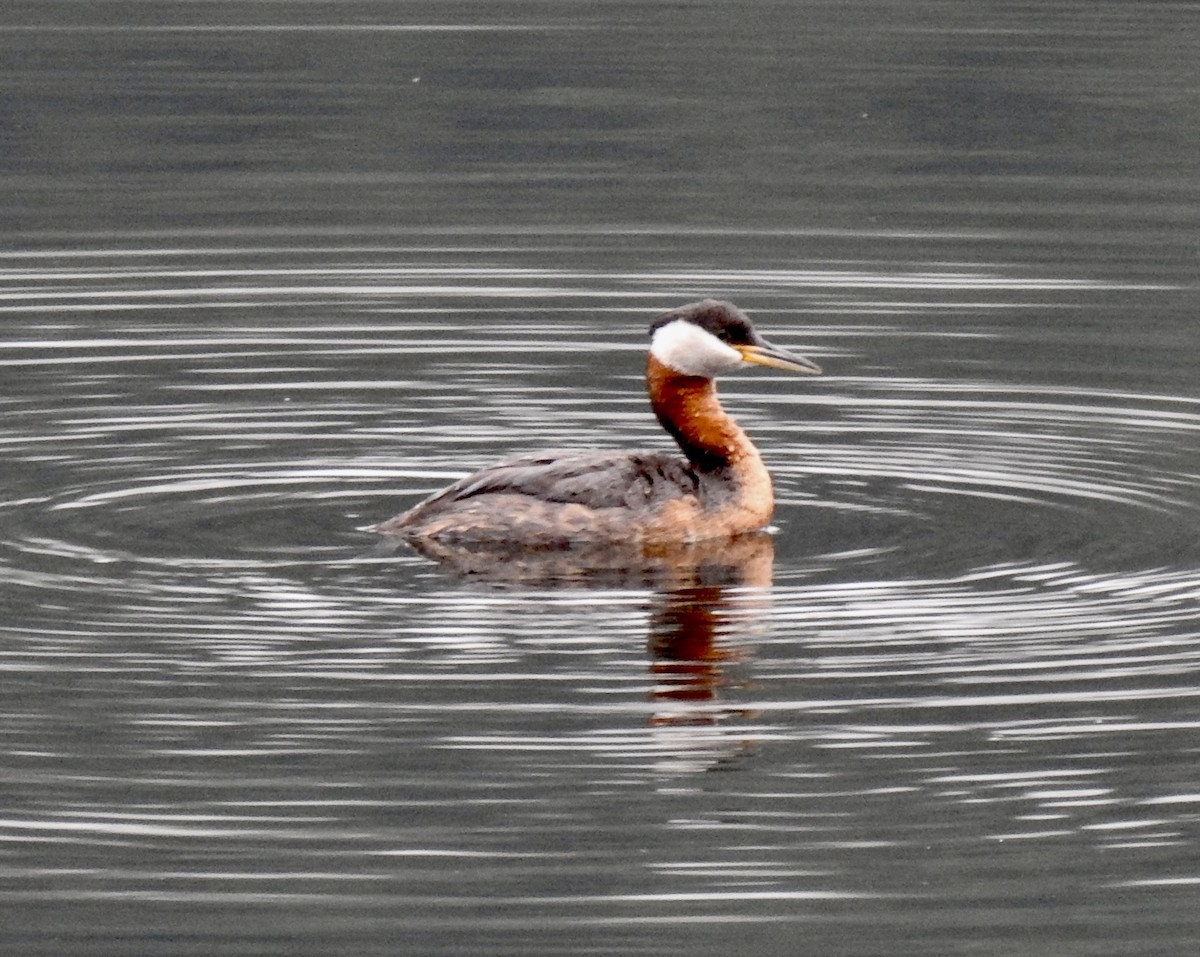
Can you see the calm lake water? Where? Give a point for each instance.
(271, 272)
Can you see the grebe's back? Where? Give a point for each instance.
(551, 499)
(560, 497)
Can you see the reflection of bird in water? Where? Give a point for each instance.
(560, 498)
(700, 635)
(700, 616)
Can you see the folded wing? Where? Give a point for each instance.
(591, 479)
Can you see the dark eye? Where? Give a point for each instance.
(733, 333)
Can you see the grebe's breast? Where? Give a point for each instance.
(560, 497)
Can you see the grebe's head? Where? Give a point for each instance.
(710, 337)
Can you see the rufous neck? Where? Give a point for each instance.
(688, 408)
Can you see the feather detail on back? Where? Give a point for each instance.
(579, 488)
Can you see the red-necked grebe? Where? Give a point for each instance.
(561, 497)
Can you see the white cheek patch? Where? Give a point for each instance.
(690, 350)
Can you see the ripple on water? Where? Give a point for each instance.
(984, 598)
(919, 473)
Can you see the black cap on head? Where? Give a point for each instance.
(722, 319)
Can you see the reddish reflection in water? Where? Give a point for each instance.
(696, 631)
(687, 660)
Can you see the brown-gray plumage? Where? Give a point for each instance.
(552, 497)
(560, 497)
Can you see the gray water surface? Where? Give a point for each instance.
(273, 272)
